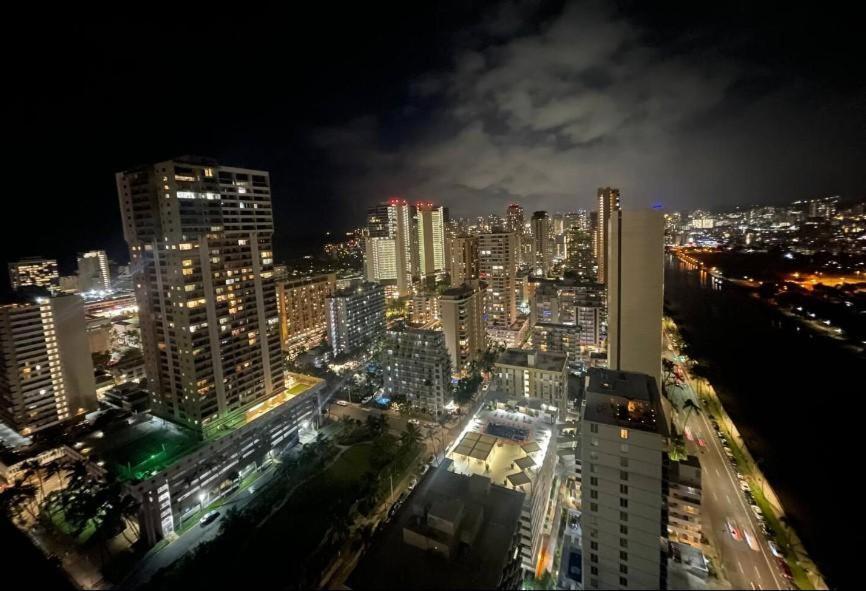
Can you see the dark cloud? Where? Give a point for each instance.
(586, 98)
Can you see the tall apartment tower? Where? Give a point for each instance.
(356, 316)
(624, 482)
(579, 252)
(431, 221)
(199, 237)
(391, 252)
(34, 272)
(303, 315)
(498, 269)
(46, 373)
(463, 265)
(635, 292)
(608, 203)
(93, 271)
(461, 312)
(542, 250)
(417, 365)
(514, 219)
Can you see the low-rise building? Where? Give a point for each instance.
(528, 373)
(173, 473)
(454, 532)
(684, 502)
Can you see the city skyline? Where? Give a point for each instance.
(732, 131)
(560, 295)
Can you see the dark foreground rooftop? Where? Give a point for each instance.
(486, 518)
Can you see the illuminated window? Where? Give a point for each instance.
(623, 433)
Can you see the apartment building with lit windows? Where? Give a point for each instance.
(391, 245)
(416, 365)
(356, 316)
(498, 270)
(46, 373)
(200, 244)
(608, 203)
(303, 311)
(624, 488)
(463, 260)
(528, 373)
(34, 272)
(430, 223)
(460, 311)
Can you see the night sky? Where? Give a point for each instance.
(473, 104)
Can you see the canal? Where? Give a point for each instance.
(795, 397)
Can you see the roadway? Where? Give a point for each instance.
(723, 500)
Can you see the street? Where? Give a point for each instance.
(723, 500)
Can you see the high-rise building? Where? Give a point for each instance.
(417, 365)
(391, 253)
(461, 313)
(93, 273)
(46, 373)
(431, 221)
(608, 202)
(464, 260)
(34, 272)
(199, 238)
(356, 316)
(635, 294)
(498, 269)
(303, 316)
(623, 489)
(580, 257)
(542, 253)
(514, 219)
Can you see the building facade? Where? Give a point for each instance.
(608, 203)
(635, 295)
(684, 502)
(93, 272)
(34, 272)
(542, 251)
(46, 373)
(431, 222)
(527, 373)
(303, 311)
(356, 316)
(463, 256)
(417, 365)
(461, 310)
(624, 482)
(391, 251)
(199, 237)
(498, 270)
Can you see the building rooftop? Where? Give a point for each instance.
(625, 399)
(533, 358)
(485, 518)
(135, 449)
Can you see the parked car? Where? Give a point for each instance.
(414, 422)
(209, 518)
(775, 549)
(342, 403)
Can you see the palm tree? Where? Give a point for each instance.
(411, 437)
(32, 468)
(690, 406)
(55, 469)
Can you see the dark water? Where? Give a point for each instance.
(798, 400)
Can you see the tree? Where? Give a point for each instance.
(689, 405)
(33, 469)
(411, 437)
